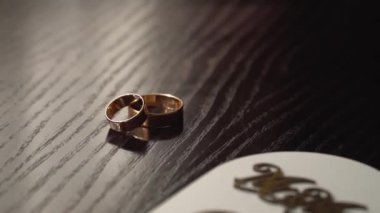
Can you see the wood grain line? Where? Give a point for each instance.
(271, 124)
(173, 145)
(66, 125)
(114, 181)
(255, 76)
(315, 137)
(248, 66)
(223, 91)
(82, 125)
(70, 121)
(255, 120)
(263, 129)
(51, 172)
(232, 94)
(345, 129)
(63, 37)
(290, 134)
(79, 146)
(33, 87)
(96, 43)
(92, 178)
(198, 43)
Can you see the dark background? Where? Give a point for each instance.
(255, 76)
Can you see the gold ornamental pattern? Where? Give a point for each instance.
(274, 187)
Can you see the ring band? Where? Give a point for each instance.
(163, 110)
(131, 122)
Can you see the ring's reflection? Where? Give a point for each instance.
(137, 140)
(166, 133)
(126, 141)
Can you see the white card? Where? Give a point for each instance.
(293, 182)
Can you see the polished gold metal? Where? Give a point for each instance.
(132, 122)
(164, 110)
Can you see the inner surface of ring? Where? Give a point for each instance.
(118, 109)
(159, 104)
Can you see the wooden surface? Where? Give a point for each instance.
(255, 76)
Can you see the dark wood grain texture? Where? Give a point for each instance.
(255, 76)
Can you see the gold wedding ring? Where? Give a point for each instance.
(132, 122)
(163, 110)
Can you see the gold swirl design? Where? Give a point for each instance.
(274, 187)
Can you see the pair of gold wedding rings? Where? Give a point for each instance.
(156, 110)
